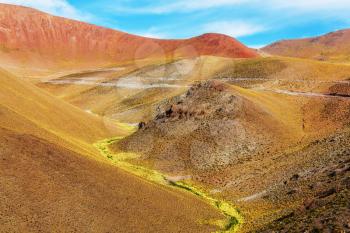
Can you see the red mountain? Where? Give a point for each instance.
(332, 46)
(32, 38)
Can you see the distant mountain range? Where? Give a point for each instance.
(332, 46)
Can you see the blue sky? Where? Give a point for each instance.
(254, 22)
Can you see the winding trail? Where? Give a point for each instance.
(233, 219)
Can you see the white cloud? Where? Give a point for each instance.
(153, 32)
(259, 46)
(311, 5)
(154, 35)
(183, 5)
(306, 10)
(55, 7)
(158, 7)
(299, 6)
(234, 28)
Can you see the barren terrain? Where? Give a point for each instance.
(334, 47)
(104, 131)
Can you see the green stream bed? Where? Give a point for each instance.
(233, 220)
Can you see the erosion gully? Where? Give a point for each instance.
(233, 220)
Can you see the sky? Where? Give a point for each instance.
(254, 22)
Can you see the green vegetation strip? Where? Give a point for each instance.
(234, 219)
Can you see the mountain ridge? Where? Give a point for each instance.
(333, 46)
(29, 37)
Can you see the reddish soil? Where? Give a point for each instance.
(332, 46)
(28, 36)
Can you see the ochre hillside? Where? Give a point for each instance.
(30, 38)
(52, 179)
(41, 109)
(334, 46)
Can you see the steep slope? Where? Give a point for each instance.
(28, 109)
(32, 38)
(323, 185)
(334, 46)
(51, 179)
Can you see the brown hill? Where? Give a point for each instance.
(52, 180)
(30, 37)
(332, 46)
(213, 126)
(322, 183)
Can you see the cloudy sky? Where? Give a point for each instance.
(254, 22)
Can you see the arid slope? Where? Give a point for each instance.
(334, 46)
(244, 145)
(213, 126)
(28, 109)
(52, 180)
(290, 74)
(46, 188)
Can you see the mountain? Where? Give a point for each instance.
(30, 38)
(332, 46)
